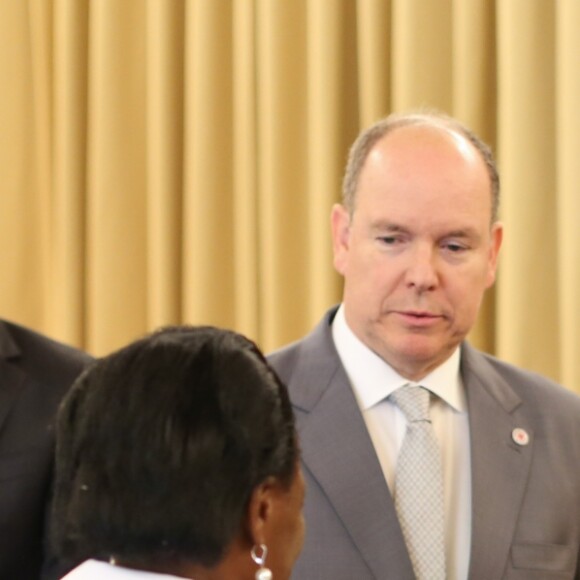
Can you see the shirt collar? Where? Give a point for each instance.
(96, 568)
(373, 380)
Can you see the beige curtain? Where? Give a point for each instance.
(167, 161)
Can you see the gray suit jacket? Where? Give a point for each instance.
(35, 373)
(526, 499)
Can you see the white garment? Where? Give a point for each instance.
(372, 381)
(95, 570)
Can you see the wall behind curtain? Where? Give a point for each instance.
(169, 161)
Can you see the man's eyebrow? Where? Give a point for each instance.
(463, 233)
(387, 226)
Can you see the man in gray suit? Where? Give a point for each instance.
(417, 240)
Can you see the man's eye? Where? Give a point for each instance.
(388, 240)
(454, 247)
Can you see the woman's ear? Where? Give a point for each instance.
(260, 510)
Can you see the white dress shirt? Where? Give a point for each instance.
(96, 570)
(372, 381)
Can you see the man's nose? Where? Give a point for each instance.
(421, 273)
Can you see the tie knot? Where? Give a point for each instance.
(413, 402)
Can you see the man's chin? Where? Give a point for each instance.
(414, 357)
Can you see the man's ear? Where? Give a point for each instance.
(495, 244)
(260, 510)
(340, 223)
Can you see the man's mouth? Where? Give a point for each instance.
(419, 317)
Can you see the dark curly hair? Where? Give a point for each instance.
(160, 445)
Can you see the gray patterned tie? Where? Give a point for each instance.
(419, 486)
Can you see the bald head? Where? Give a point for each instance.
(464, 138)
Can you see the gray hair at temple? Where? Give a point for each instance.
(369, 137)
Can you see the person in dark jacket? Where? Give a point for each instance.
(35, 373)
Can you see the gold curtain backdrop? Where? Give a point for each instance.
(168, 161)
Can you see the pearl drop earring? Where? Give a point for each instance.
(263, 573)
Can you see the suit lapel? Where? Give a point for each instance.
(11, 378)
(500, 467)
(338, 451)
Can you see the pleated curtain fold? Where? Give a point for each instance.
(172, 161)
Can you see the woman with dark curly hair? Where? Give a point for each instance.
(177, 457)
